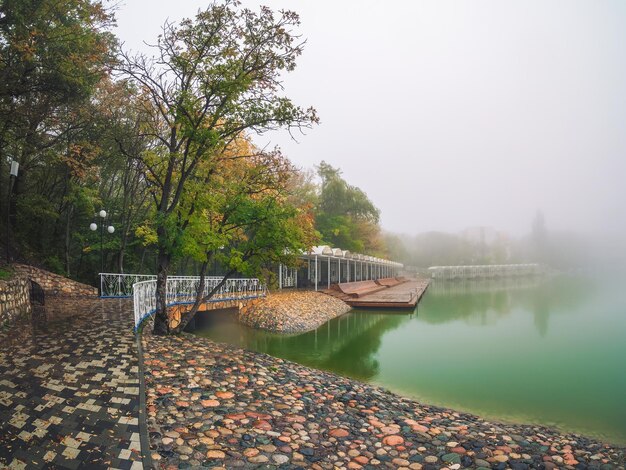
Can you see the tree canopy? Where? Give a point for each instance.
(211, 80)
(345, 216)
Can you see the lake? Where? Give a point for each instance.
(546, 351)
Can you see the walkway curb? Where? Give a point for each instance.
(144, 437)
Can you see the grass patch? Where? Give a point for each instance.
(6, 273)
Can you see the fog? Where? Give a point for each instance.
(454, 115)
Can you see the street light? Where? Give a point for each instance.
(93, 227)
(15, 166)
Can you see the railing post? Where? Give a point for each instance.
(329, 272)
(316, 273)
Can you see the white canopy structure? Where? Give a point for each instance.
(326, 266)
(483, 271)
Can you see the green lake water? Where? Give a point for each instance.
(551, 352)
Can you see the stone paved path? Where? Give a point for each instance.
(69, 388)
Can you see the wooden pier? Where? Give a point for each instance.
(389, 293)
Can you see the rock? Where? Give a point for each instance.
(258, 459)
(251, 452)
(307, 451)
(338, 432)
(451, 458)
(398, 462)
(280, 459)
(215, 454)
(262, 424)
(393, 440)
(185, 450)
(419, 428)
(390, 429)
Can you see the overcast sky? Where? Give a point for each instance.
(455, 114)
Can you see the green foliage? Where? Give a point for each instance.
(53, 53)
(6, 273)
(53, 56)
(344, 215)
(337, 197)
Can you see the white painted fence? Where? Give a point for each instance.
(121, 285)
(182, 290)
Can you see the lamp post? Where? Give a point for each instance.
(15, 166)
(93, 226)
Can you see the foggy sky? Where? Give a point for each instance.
(457, 114)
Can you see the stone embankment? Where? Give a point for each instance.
(291, 311)
(14, 299)
(55, 284)
(213, 405)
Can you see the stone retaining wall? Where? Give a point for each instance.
(54, 284)
(291, 311)
(14, 299)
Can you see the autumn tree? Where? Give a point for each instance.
(245, 218)
(53, 53)
(122, 186)
(211, 80)
(345, 216)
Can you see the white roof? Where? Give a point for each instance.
(322, 250)
(337, 252)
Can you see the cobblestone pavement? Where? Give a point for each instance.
(69, 388)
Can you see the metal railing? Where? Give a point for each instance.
(144, 300)
(182, 290)
(121, 285)
(113, 285)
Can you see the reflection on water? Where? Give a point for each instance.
(544, 351)
(483, 302)
(346, 345)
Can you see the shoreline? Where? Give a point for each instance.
(218, 405)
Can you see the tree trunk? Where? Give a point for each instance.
(187, 316)
(200, 297)
(68, 257)
(161, 323)
(120, 259)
